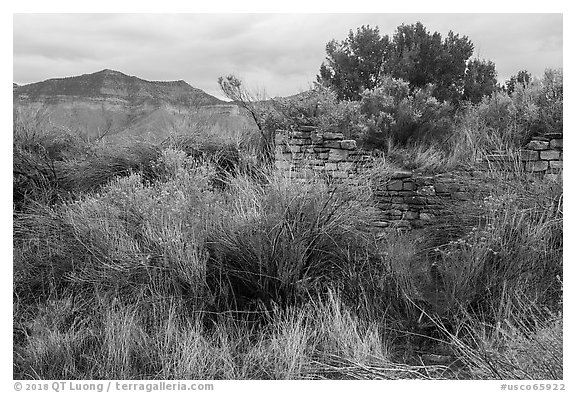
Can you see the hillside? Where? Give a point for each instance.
(118, 105)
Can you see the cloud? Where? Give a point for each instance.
(281, 52)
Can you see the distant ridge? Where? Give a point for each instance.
(114, 83)
(113, 103)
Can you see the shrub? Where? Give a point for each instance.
(277, 242)
(393, 115)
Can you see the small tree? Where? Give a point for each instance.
(480, 80)
(262, 114)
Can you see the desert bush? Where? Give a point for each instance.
(506, 244)
(279, 241)
(515, 348)
(395, 115)
(501, 121)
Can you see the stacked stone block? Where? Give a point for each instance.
(542, 156)
(409, 200)
(305, 152)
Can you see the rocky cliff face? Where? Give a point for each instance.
(118, 105)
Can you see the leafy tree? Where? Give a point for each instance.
(413, 54)
(422, 58)
(354, 64)
(522, 77)
(480, 80)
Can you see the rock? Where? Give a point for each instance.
(395, 185)
(410, 215)
(529, 155)
(332, 144)
(549, 154)
(426, 216)
(348, 144)
(409, 186)
(556, 143)
(337, 155)
(462, 196)
(301, 134)
(426, 191)
(553, 177)
(345, 166)
(333, 135)
(557, 165)
(537, 166)
(307, 128)
(537, 145)
(401, 175)
(316, 138)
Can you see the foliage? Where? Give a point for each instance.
(355, 64)
(524, 78)
(413, 54)
(393, 115)
(480, 80)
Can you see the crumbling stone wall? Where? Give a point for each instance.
(406, 199)
(304, 151)
(543, 156)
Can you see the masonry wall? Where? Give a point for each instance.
(406, 200)
(543, 156)
(305, 151)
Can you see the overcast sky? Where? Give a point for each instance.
(278, 53)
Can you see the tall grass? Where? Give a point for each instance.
(154, 270)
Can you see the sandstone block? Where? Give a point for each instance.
(426, 216)
(307, 128)
(381, 224)
(401, 175)
(339, 174)
(537, 166)
(331, 166)
(556, 143)
(394, 185)
(301, 134)
(410, 215)
(553, 177)
(315, 138)
(416, 200)
(529, 155)
(556, 165)
(408, 185)
(301, 142)
(537, 145)
(345, 166)
(348, 144)
(337, 155)
(400, 206)
(426, 191)
(333, 135)
(332, 144)
(549, 154)
(461, 196)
